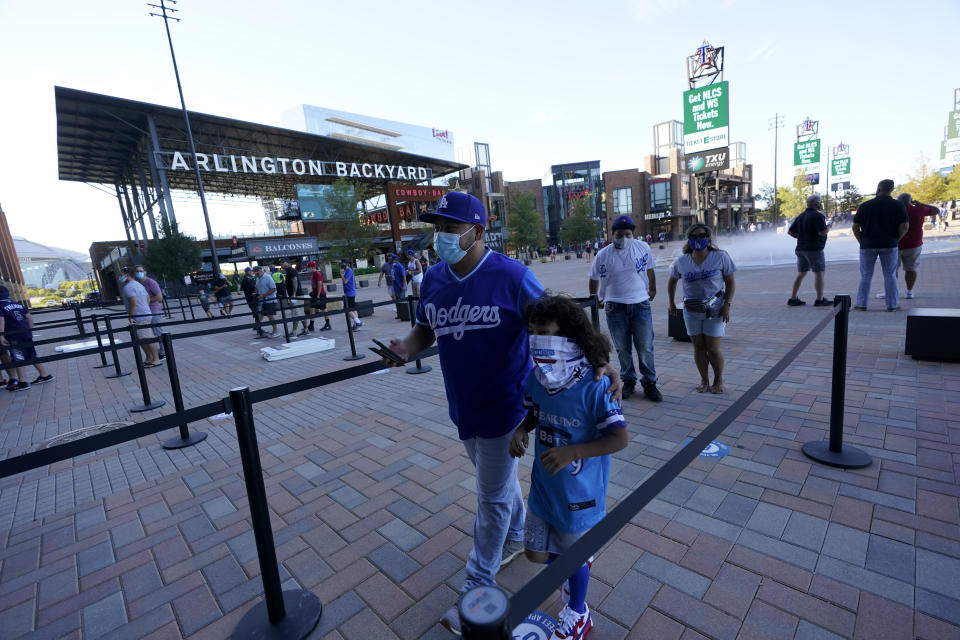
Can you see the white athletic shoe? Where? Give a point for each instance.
(881, 295)
(909, 295)
(572, 625)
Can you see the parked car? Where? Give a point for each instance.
(51, 303)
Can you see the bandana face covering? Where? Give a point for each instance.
(558, 362)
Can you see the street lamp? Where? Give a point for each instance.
(186, 118)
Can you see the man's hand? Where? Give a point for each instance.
(616, 386)
(3, 341)
(399, 347)
(558, 458)
(519, 442)
(652, 293)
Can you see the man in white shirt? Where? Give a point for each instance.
(623, 278)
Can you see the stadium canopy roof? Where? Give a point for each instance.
(103, 140)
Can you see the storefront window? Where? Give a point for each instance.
(623, 201)
(660, 196)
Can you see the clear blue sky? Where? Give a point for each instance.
(542, 82)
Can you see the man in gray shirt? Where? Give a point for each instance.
(137, 301)
(267, 295)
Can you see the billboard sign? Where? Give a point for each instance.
(314, 204)
(812, 178)
(713, 160)
(281, 247)
(706, 117)
(839, 186)
(953, 125)
(806, 152)
(839, 167)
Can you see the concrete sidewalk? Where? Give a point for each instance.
(373, 497)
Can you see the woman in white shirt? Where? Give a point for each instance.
(415, 272)
(708, 289)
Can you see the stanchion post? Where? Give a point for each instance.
(186, 438)
(141, 374)
(413, 321)
(595, 311)
(79, 318)
(832, 452)
(283, 319)
(96, 331)
(113, 350)
(485, 614)
(353, 345)
(281, 614)
(180, 303)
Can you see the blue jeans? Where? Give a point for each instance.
(632, 324)
(500, 512)
(888, 263)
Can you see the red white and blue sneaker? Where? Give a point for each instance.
(572, 625)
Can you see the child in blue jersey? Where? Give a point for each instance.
(577, 427)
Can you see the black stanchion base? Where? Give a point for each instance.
(847, 458)
(102, 366)
(420, 369)
(118, 375)
(147, 407)
(303, 613)
(179, 443)
(359, 356)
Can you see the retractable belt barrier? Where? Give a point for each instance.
(545, 583)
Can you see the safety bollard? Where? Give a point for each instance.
(96, 331)
(832, 452)
(281, 614)
(413, 321)
(141, 374)
(113, 350)
(353, 345)
(186, 438)
(485, 614)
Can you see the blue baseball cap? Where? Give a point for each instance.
(458, 206)
(410, 252)
(623, 222)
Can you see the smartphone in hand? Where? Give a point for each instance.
(384, 351)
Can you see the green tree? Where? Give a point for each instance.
(524, 223)
(766, 210)
(793, 199)
(172, 255)
(925, 184)
(851, 199)
(952, 190)
(349, 237)
(580, 226)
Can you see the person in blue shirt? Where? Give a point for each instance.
(399, 286)
(350, 292)
(577, 428)
(471, 304)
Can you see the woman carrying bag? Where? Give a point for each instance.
(708, 290)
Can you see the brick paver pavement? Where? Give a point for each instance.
(372, 496)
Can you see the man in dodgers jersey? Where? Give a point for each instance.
(471, 303)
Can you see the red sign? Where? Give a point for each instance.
(416, 194)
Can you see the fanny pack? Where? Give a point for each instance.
(710, 307)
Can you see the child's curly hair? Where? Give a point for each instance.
(573, 323)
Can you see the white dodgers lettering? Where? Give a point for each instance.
(460, 318)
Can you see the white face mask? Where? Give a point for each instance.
(558, 362)
(622, 243)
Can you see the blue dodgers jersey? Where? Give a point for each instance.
(576, 498)
(349, 283)
(484, 349)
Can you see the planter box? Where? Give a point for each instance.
(331, 287)
(544, 259)
(567, 257)
(364, 283)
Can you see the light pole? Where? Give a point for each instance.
(775, 123)
(186, 118)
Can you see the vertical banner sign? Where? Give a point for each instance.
(840, 168)
(706, 118)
